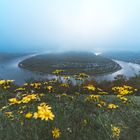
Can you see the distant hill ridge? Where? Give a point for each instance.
(9, 56)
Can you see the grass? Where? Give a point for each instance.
(77, 113)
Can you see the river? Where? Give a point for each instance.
(10, 70)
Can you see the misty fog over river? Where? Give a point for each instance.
(10, 70)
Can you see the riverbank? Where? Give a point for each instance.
(10, 70)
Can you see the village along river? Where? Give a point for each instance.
(10, 70)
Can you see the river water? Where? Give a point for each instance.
(10, 70)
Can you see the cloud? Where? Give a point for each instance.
(70, 24)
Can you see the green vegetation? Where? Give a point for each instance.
(72, 62)
(51, 109)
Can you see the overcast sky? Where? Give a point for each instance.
(96, 25)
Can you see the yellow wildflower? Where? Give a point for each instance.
(56, 133)
(36, 85)
(122, 98)
(101, 104)
(6, 82)
(123, 90)
(64, 94)
(58, 72)
(44, 112)
(28, 98)
(66, 77)
(115, 131)
(20, 89)
(93, 98)
(50, 88)
(14, 101)
(90, 87)
(112, 106)
(28, 115)
(42, 94)
(81, 76)
(9, 114)
(64, 85)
